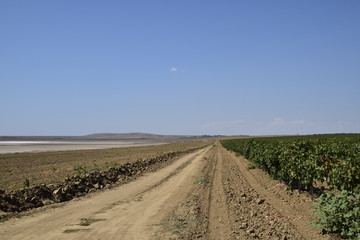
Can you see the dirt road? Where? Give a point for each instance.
(209, 194)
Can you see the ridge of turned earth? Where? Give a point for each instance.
(80, 185)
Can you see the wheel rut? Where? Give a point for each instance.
(233, 205)
(219, 222)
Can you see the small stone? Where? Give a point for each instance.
(46, 202)
(66, 189)
(55, 192)
(244, 226)
(34, 200)
(250, 231)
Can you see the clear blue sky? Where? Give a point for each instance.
(179, 67)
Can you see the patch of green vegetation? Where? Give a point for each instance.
(201, 181)
(10, 215)
(76, 230)
(177, 229)
(26, 182)
(83, 169)
(251, 166)
(111, 164)
(160, 224)
(339, 213)
(5, 217)
(94, 167)
(4, 182)
(89, 221)
(177, 226)
(80, 169)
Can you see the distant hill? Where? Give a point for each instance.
(101, 137)
(129, 136)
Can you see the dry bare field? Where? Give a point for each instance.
(18, 169)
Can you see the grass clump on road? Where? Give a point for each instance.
(89, 221)
(76, 230)
(201, 181)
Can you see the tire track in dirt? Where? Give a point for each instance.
(233, 206)
(290, 209)
(130, 211)
(219, 225)
(249, 211)
(242, 210)
(209, 194)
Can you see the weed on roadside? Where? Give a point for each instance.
(83, 169)
(76, 230)
(201, 181)
(111, 164)
(26, 183)
(177, 226)
(89, 221)
(94, 167)
(80, 169)
(250, 167)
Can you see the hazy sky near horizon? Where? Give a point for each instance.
(179, 67)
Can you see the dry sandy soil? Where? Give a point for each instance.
(208, 194)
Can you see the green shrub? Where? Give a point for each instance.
(81, 169)
(340, 213)
(111, 164)
(26, 182)
(93, 168)
(250, 166)
(302, 161)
